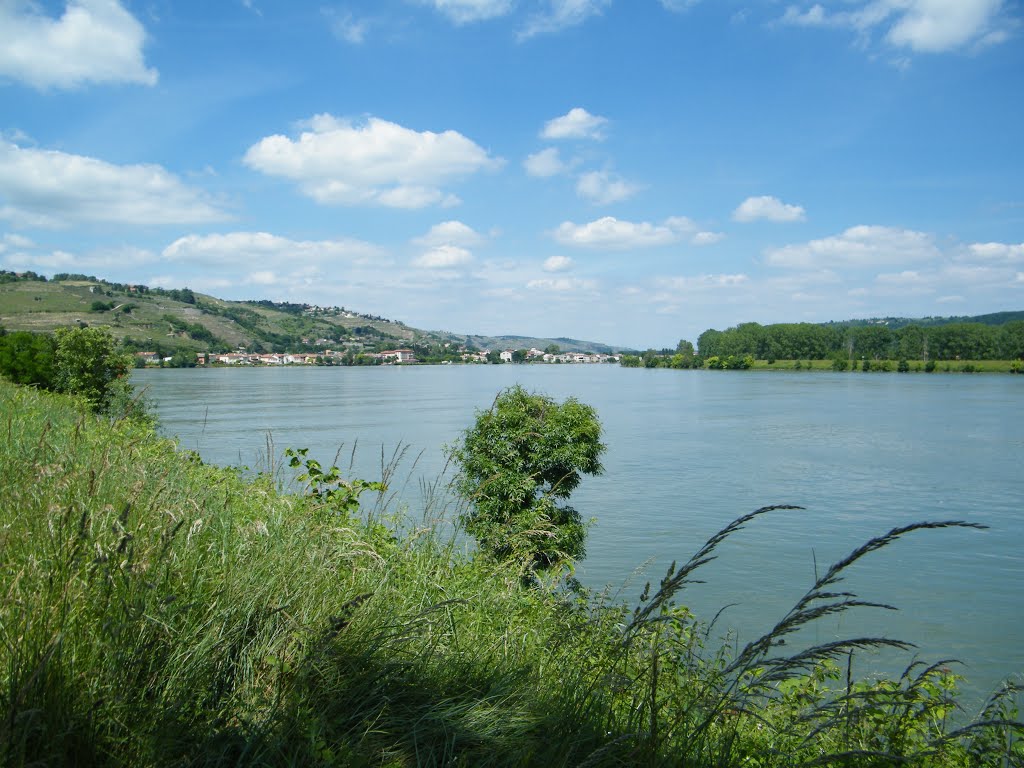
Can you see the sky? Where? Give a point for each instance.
(632, 172)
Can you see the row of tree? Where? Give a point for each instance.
(808, 341)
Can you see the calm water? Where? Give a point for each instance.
(688, 451)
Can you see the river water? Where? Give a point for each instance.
(689, 451)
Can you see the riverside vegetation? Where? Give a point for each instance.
(159, 611)
(987, 343)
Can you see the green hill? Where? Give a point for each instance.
(181, 319)
(169, 320)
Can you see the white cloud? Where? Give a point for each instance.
(678, 6)
(941, 25)
(545, 163)
(613, 234)
(924, 26)
(246, 248)
(347, 27)
(450, 233)
(562, 14)
(126, 258)
(705, 282)
(577, 123)
(707, 238)
(557, 264)
(377, 162)
(908, 278)
(812, 17)
(767, 208)
(467, 11)
(443, 257)
(47, 188)
(562, 284)
(94, 41)
(262, 277)
(18, 241)
(998, 251)
(860, 246)
(602, 188)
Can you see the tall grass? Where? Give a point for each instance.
(158, 611)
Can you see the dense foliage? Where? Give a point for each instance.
(523, 456)
(808, 341)
(86, 362)
(156, 611)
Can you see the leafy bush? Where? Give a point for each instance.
(521, 457)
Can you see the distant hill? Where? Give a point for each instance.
(169, 320)
(526, 342)
(166, 321)
(993, 318)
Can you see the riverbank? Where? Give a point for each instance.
(159, 611)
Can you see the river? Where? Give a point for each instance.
(689, 451)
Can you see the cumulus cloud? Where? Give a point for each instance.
(545, 163)
(443, 257)
(678, 6)
(924, 26)
(557, 264)
(93, 41)
(767, 208)
(48, 188)
(706, 282)
(468, 11)
(244, 248)
(376, 162)
(123, 258)
(347, 27)
(562, 284)
(860, 246)
(450, 233)
(998, 252)
(561, 14)
(612, 234)
(17, 241)
(577, 123)
(707, 238)
(602, 188)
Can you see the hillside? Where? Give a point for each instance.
(170, 320)
(992, 318)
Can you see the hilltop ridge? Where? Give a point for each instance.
(172, 320)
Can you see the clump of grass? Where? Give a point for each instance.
(158, 611)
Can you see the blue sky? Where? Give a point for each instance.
(626, 171)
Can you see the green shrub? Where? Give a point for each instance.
(523, 455)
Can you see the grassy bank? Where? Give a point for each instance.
(158, 611)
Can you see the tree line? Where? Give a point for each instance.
(809, 341)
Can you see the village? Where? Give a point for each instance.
(386, 357)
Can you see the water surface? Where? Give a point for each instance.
(689, 451)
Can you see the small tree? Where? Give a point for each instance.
(88, 363)
(521, 457)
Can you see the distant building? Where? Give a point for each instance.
(398, 355)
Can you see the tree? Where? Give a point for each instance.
(88, 363)
(523, 455)
(27, 358)
(552, 349)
